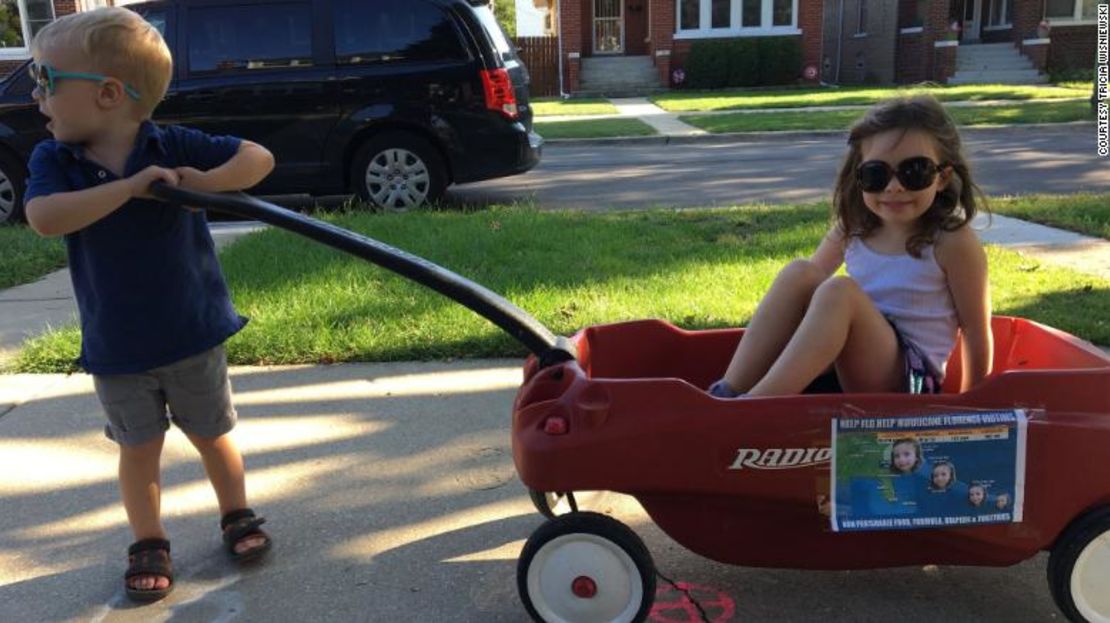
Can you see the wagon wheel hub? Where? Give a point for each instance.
(583, 587)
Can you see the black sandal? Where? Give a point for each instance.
(240, 524)
(148, 557)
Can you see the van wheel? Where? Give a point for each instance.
(1079, 568)
(398, 171)
(12, 186)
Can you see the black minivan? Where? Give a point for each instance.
(392, 100)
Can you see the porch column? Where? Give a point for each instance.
(810, 22)
(940, 62)
(661, 27)
(571, 16)
(1027, 17)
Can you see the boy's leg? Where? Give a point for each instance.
(842, 326)
(198, 391)
(140, 486)
(136, 411)
(224, 465)
(772, 325)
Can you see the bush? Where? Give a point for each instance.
(1057, 74)
(704, 69)
(743, 62)
(780, 60)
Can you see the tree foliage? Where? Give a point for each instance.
(505, 10)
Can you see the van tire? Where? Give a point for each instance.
(398, 171)
(13, 185)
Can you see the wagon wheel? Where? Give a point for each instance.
(585, 567)
(1079, 568)
(546, 501)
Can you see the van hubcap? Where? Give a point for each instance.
(7, 197)
(397, 179)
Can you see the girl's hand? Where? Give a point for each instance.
(139, 184)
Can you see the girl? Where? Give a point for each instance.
(916, 272)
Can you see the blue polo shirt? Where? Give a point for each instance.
(148, 285)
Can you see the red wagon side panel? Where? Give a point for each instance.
(637, 421)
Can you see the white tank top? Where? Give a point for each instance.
(912, 293)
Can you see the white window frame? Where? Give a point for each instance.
(862, 16)
(18, 54)
(1076, 18)
(1002, 25)
(706, 31)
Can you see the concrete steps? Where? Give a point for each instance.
(994, 63)
(618, 76)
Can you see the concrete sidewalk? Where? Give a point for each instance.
(669, 124)
(391, 493)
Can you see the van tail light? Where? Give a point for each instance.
(499, 92)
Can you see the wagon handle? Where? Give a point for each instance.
(518, 323)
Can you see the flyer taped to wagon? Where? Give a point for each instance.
(947, 470)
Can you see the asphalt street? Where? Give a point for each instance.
(776, 169)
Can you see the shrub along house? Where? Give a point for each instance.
(956, 41)
(613, 46)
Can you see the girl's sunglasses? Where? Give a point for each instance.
(913, 173)
(46, 77)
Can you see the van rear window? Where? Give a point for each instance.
(493, 29)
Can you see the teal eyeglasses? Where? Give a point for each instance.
(46, 77)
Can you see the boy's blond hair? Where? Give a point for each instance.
(118, 43)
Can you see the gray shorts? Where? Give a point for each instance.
(196, 390)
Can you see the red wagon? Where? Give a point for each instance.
(630, 415)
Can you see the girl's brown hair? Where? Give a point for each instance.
(955, 205)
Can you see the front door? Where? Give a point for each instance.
(635, 25)
(608, 26)
(973, 19)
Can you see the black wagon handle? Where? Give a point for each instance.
(518, 323)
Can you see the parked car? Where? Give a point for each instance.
(392, 100)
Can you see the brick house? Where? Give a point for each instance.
(658, 34)
(843, 41)
(883, 41)
(24, 18)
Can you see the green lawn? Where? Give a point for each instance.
(27, 256)
(593, 128)
(588, 106)
(1083, 212)
(697, 268)
(1040, 112)
(679, 101)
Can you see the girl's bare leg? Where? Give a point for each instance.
(841, 327)
(772, 325)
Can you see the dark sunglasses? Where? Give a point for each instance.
(46, 78)
(913, 173)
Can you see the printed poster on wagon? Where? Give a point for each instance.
(936, 471)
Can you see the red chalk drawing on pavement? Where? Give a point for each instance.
(672, 605)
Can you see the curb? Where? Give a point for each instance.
(734, 137)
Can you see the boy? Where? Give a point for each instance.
(155, 310)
